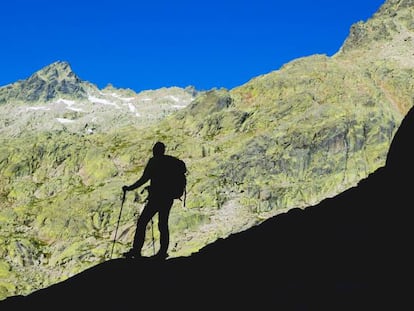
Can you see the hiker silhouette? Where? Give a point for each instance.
(162, 171)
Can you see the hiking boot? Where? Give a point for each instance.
(160, 256)
(132, 254)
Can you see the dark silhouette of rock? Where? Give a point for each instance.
(350, 252)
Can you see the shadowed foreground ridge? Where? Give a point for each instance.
(348, 252)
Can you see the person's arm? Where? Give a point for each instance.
(142, 180)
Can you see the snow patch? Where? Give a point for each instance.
(66, 102)
(131, 107)
(178, 106)
(174, 98)
(69, 104)
(127, 99)
(102, 101)
(64, 121)
(37, 108)
(75, 109)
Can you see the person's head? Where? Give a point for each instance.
(158, 149)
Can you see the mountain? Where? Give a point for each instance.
(285, 140)
(55, 98)
(48, 83)
(349, 252)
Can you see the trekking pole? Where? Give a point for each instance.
(117, 225)
(152, 232)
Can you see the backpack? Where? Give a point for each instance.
(176, 177)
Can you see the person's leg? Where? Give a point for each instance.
(163, 215)
(139, 238)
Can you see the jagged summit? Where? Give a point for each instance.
(392, 6)
(54, 81)
(390, 29)
(59, 70)
(55, 98)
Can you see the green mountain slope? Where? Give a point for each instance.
(288, 138)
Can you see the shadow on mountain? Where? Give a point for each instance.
(349, 252)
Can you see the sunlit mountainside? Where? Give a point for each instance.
(286, 139)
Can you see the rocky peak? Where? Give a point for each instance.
(60, 70)
(54, 81)
(394, 21)
(392, 6)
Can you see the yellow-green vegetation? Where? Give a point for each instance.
(289, 138)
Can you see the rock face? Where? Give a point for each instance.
(287, 139)
(52, 82)
(387, 35)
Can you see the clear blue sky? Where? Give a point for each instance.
(158, 43)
